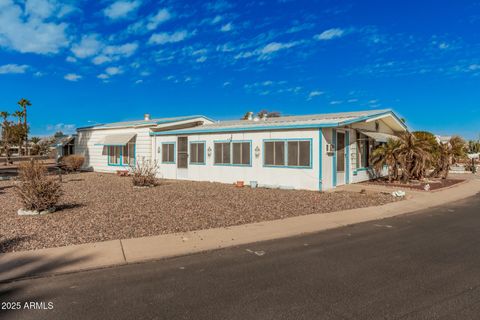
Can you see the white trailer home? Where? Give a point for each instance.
(313, 152)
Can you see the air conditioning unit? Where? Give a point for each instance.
(330, 148)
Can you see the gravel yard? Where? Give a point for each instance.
(99, 207)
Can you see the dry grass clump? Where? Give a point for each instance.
(73, 162)
(144, 173)
(35, 188)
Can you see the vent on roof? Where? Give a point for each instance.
(146, 116)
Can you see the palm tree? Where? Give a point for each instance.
(386, 155)
(24, 103)
(414, 156)
(5, 135)
(450, 153)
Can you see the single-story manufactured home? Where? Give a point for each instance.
(313, 152)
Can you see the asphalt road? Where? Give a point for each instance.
(420, 266)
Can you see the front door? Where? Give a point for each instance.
(182, 158)
(340, 162)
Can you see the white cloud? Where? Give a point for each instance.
(474, 67)
(314, 94)
(101, 59)
(336, 102)
(13, 68)
(32, 28)
(276, 46)
(227, 27)
(164, 37)
(103, 76)
(330, 34)
(216, 20)
(121, 9)
(115, 53)
(65, 128)
(88, 46)
(139, 81)
(443, 45)
(264, 52)
(201, 59)
(112, 71)
(124, 50)
(71, 59)
(162, 16)
(72, 77)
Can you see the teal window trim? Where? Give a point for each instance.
(334, 162)
(286, 153)
(204, 152)
(320, 159)
(347, 160)
(231, 153)
(174, 153)
(121, 164)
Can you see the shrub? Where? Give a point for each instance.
(35, 188)
(144, 173)
(73, 162)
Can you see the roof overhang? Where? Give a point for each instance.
(120, 139)
(391, 120)
(379, 136)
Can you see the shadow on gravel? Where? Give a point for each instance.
(16, 266)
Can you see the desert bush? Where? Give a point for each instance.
(73, 162)
(144, 173)
(35, 188)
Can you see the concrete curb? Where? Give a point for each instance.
(52, 261)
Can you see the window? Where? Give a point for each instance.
(114, 155)
(197, 153)
(234, 153)
(168, 152)
(299, 153)
(128, 154)
(241, 153)
(121, 155)
(364, 147)
(293, 153)
(274, 153)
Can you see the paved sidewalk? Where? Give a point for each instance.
(117, 252)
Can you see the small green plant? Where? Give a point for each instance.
(37, 191)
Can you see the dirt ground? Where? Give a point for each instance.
(99, 207)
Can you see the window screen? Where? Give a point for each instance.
(128, 154)
(197, 152)
(168, 152)
(241, 153)
(274, 153)
(297, 153)
(222, 152)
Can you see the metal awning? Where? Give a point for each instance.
(117, 139)
(379, 136)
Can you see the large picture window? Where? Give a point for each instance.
(291, 153)
(197, 153)
(236, 153)
(168, 152)
(122, 155)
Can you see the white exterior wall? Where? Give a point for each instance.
(287, 177)
(96, 156)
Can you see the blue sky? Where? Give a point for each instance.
(85, 62)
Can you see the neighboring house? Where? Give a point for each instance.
(443, 139)
(64, 145)
(313, 152)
